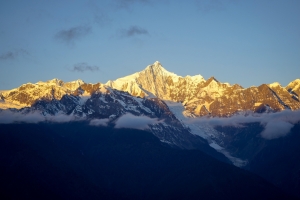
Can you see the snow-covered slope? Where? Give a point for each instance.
(156, 80)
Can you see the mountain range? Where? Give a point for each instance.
(235, 125)
(200, 97)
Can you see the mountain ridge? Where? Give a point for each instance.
(200, 97)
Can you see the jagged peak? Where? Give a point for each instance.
(157, 68)
(211, 79)
(61, 83)
(275, 84)
(263, 86)
(54, 81)
(294, 82)
(237, 86)
(196, 79)
(78, 81)
(27, 84)
(156, 65)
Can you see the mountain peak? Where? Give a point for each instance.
(54, 81)
(212, 79)
(156, 63)
(156, 69)
(275, 84)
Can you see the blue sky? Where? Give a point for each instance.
(236, 41)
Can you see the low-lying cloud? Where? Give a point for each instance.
(276, 129)
(99, 122)
(125, 121)
(136, 122)
(9, 117)
(276, 124)
(82, 67)
(69, 36)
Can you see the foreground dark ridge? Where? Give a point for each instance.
(77, 161)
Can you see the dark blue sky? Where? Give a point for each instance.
(237, 41)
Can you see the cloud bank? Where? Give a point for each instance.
(136, 122)
(276, 129)
(125, 121)
(275, 124)
(8, 117)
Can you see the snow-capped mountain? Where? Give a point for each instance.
(157, 81)
(208, 97)
(162, 96)
(200, 97)
(102, 105)
(166, 104)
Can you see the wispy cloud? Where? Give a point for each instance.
(276, 124)
(69, 36)
(135, 122)
(133, 31)
(82, 67)
(11, 55)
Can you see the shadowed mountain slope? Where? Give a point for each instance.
(77, 161)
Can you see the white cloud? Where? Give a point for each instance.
(99, 122)
(276, 124)
(61, 118)
(276, 129)
(136, 122)
(8, 117)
